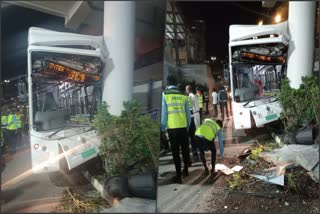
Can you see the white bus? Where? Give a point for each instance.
(64, 88)
(257, 60)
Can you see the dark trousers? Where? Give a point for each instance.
(12, 140)
(200, 112)
(207, 107)
(222, 106)
(179, 138)
(204, 145)
(191, 132)
(164, 142)
(215, 110)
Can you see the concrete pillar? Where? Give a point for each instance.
(301, 45)
(119, 33)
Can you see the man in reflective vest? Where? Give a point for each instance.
(175, 117)
(200, 100)
(12, 128)
(206, 100)
(19, 117)
(205, 136)
(4, 122)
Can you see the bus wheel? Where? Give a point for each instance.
(67, 179)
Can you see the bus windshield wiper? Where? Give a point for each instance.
(68, 126)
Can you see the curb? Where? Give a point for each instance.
(278, 139)
(99, 187)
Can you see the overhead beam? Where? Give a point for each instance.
(77, 14)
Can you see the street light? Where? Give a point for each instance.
(260, 23)
(277, 19)
(213, 58)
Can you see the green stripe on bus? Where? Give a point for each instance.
(270, 117)
(88, 153)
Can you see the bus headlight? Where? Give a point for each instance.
(36, 146)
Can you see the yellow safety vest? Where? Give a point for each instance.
(176, 111)
(200, 100)
(19, 121)
(4, 120)
(206, 97)
(209, 129)
(11, 124)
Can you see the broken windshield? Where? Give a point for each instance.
(252, 82)
(66, 90)
(257, 71)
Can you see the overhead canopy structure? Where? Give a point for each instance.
(75, 13)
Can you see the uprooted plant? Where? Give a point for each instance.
(235, 181)
(301, 105)
(129, 141)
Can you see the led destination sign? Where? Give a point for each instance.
(247, 56)
(58, 70)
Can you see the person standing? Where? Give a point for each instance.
(175, 117)
(206, 100)
(4, 122)
(196, 117)
(200, 102)
(205, 136)
(19, 118)
(215, 102)
(223, 101)
(12, 128)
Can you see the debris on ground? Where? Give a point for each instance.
(82, 199)
(226, 170)
(306, 156)
(299, 192)
(274, 175)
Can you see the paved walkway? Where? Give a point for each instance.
(196, 187)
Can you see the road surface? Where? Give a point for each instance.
(197, 187)
(30, 193)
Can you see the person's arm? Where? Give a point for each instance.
(195, 103)
(218, 97)
(221, 146)
(188, 114)
(163, 114)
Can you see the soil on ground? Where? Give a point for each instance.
(300, 194)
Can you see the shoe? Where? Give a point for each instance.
(178, 180)
(196, 157)
(185, 172)
(206, 171)
(213, 173)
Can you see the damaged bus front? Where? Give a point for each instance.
(64, 88)
(257, 60)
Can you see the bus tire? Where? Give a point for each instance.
(67, 179)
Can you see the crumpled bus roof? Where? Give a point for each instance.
(43, 37)
(243, 32)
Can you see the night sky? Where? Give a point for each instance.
(218, 16)
(15, 22)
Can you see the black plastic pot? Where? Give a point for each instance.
(304, 136)
(117, 187)
(142, 186)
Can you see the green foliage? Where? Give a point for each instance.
(291, 181)
(256, 152)
(235, 181)
(299, 105)
(129, 141)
